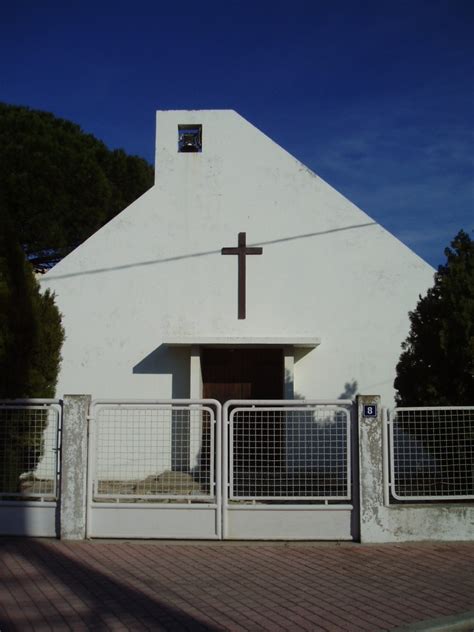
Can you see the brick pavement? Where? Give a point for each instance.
(52, 585)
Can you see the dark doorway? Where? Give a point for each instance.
(242, 373)
(249, 373)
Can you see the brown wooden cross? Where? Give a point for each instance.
(242, 251)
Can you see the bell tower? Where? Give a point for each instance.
(189, 138)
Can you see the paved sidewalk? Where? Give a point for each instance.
(52, 585)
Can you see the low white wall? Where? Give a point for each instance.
(276, 522)
(153, 521)
(407, 522)
(34, 519)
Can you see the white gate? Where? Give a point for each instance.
(163, 469)
(154, 469)
(287, 470)
(29, 466)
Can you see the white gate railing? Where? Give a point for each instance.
(29, 449)
(162, 469)
(154, 451)
(431, 453)
(289, 452)
(160, 455)
(30, 438)
(282, 457)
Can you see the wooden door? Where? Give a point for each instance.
(242, 373)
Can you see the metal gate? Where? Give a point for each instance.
(30, 437)
(287, 470)
(154, 469)
(190, 469)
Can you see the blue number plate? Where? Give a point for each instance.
(370, 410)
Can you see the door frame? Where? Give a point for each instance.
(195, 375)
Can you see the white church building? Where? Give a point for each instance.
(239, 274)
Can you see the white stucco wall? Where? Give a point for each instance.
(155, 272)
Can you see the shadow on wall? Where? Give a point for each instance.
(170, 361)
(107, 599)
(350, 390)
(54, 277)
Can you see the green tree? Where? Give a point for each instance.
(436, 366)
(31, 336)
(59, 185)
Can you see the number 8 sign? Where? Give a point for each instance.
(370, 410)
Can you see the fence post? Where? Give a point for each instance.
(370, 462)
(74, 467)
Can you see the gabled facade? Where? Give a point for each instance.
(151, 304)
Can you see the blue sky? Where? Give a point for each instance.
(375, 97)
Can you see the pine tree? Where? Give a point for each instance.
(59, 185)
(436, 366)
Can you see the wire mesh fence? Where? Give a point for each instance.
(432, 453)
(289, 453)
(154, 452)
(29, 444)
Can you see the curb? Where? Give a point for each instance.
(463, 622)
